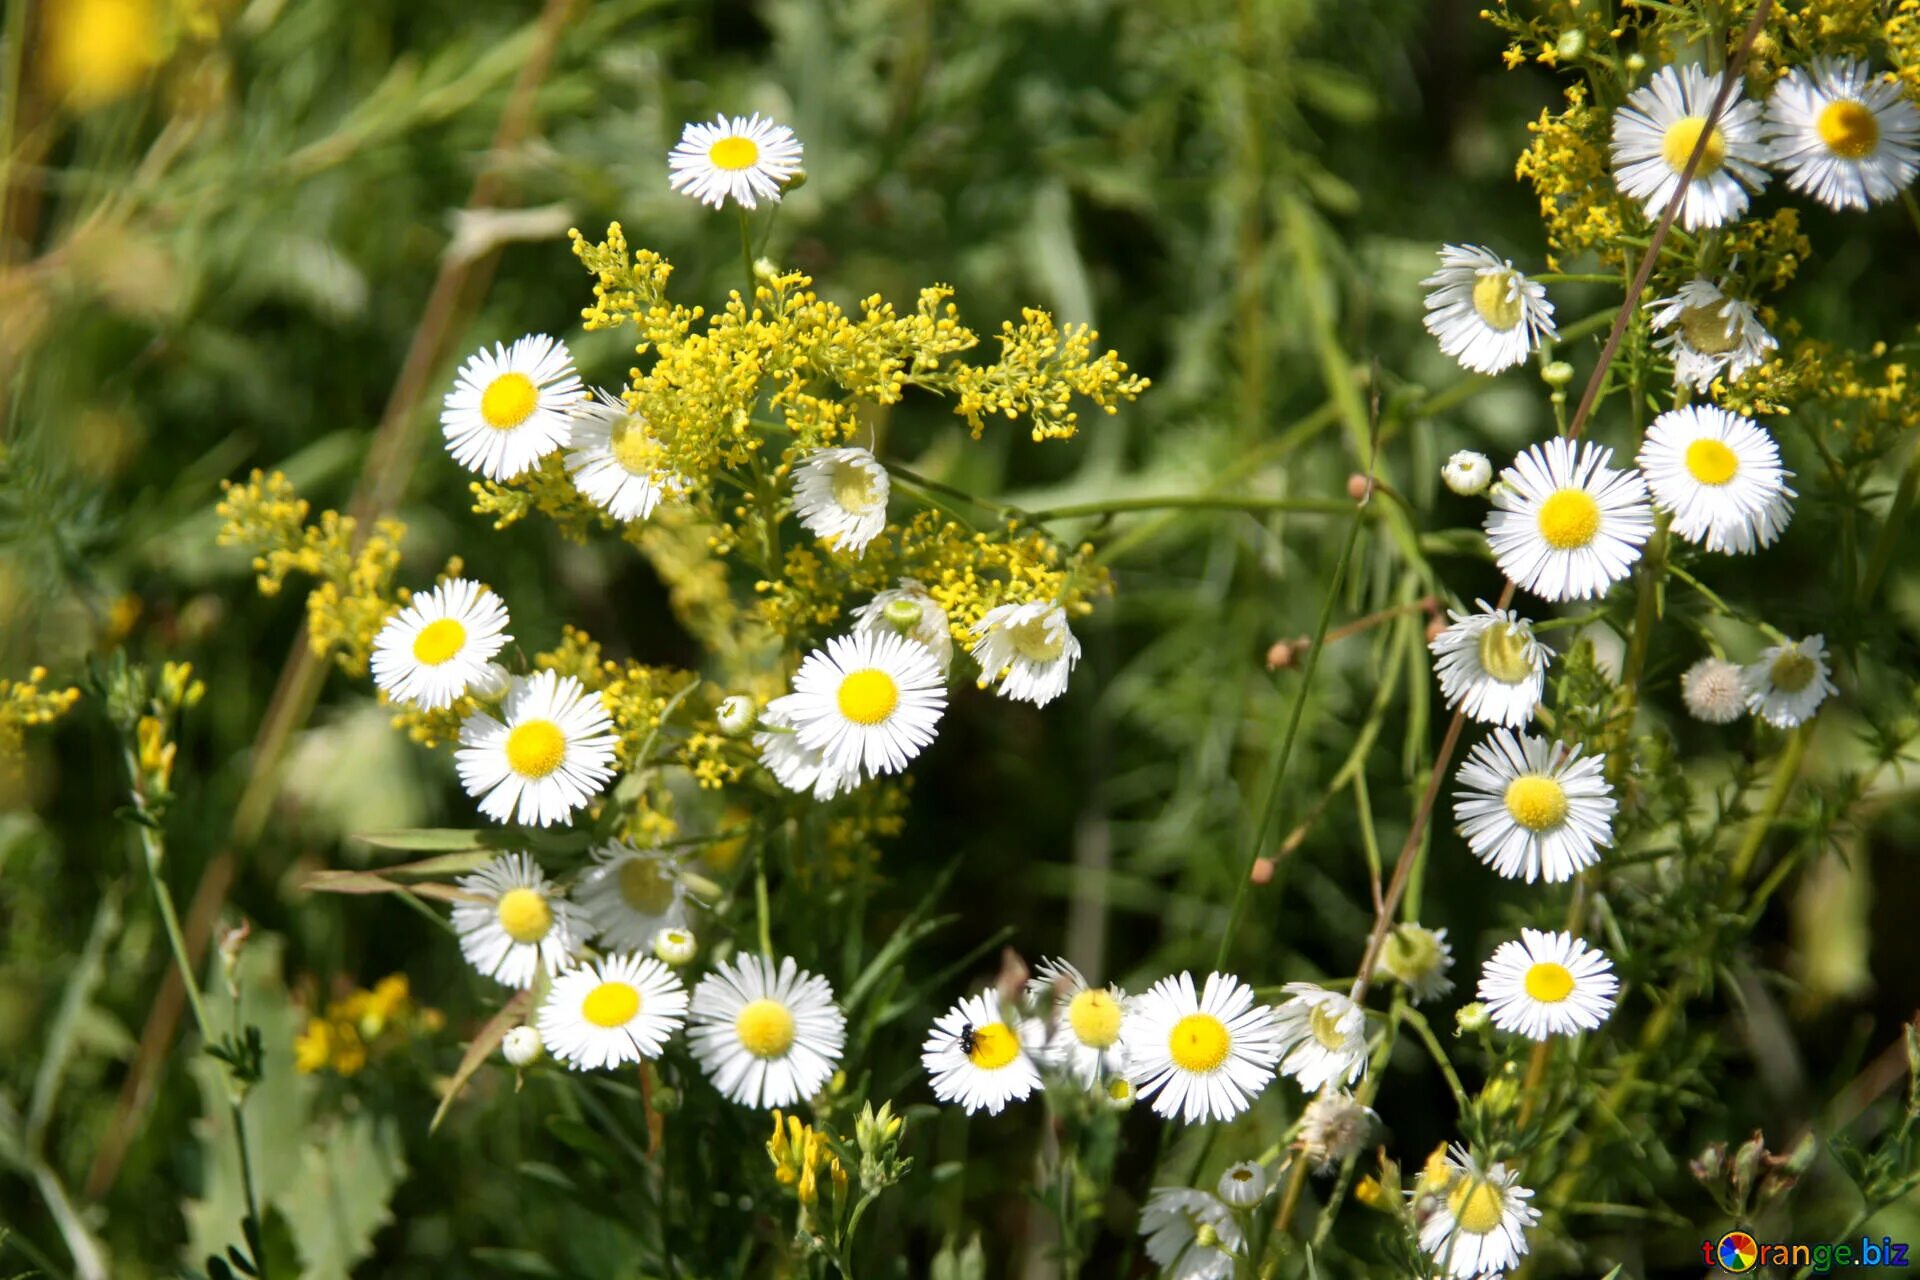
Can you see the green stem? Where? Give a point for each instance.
(1784, 772)
(1196, 502)
(256, 1235)
(746, 259)
(155, 854)
(760, 903)
(1652, 565)
(1883, 546)
(1418, 1021)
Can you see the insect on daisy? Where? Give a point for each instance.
(1490, 665)
(910, 611)
(629, 895)
(840, 496)
(511, 407)
(1486, 315)
(1547, 984)
(1028, 648)
(1200, 1057)
(442, 642)
(795, 765)
(868, 701)
(1533, 809)
(1712, 692)
(1564, 524)
(1788, 682)
(552, 756)
(747, 158)
(766, 1037)
(1709, 335)
(514, 921)
(1719, 475)
(619, 1010)
(979, 1054)
(614, 459)
(1323, 1037)
(1656, 131)
(1190, 1234)
(1478, 1226)
(1084, 1040)
(1843, 135)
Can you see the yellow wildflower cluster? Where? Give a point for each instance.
(1567, 164)
(1864, 394)
(1558, 31)
(1903, 43)
(1796, 33)
(361, 1024)
(800, 1154)
(1769, 250)
(24, 704)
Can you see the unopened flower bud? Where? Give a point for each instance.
(1359, 486)
(1636, 63)
(794, 183)
(736, 714)
(1558, 374)
(1472, 1017)
(1120, 1094)
(521, 1046)
(903, 615)
(1243, 1185)
(1467, 473)
(675, 946)
(1571, 44)
(1205, 1237)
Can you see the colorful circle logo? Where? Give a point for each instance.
(1738, 1252)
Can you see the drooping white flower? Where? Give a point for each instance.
(1788, 682)
(615, 460)
(1028, 648)
(1490, 665)
(1486, 315)
(840, 496)
(1323, 1037)
(1709, 335)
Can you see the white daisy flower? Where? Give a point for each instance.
(619, 1010)
(1547, 984)
(1533, 809)
(1477, 1230)
(1712, 691)
(510, 408)
(1655, 132)
(910, 611)
(1490, 665)
(1243, 1185)
(1190, 1235)
(443, 641)
(1467, 473)
(1204, 1057)
(1418, 958)
(515, 921)
(749, 159)
(840, 497)
(1564, 524)
(631, 894)
(552, 756)
(1720, 477)
(797, 766)
(1843, 135)
(1486, 315)
(1028, 648)
(1323, 1037)
(1084, 1038)
(1788, 682)
(614, 459)
(868, 701)
(1334, 1128)
(1709, 335)
(980, 1054)
(766, 1037)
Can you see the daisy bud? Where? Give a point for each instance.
(794, 181)
(1467, 473)
(1436, 627)
(1205, 1237)
(521, 1046)
(1637, 62)
(1120, 1095)
(1571, 44)
(1282, 654)
(1558, 374)
(675, 946)
(736, 714)
(1262, 870)
(1471, 1018)
(1359, 486)
(1243, 1185)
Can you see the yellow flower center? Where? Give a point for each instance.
(524, 914)
(1476, 1205)
(994, 1046)
(1849, 129)
(1569, 518)
(438, 641)
(646, 886)
(1681, 137)
(1536, 803)
(1707, 331)
(765, 1028)
(869, 696)
(734, 153)
(1094, 1016)
(536, 748)
(633, 448)
(1503, 653)
(1549, 983)
(1711, 462)
(1036, 641)
(611, 1004)
(508, 401)
(1323, 1020)
(854, 488)
(1494, 299)
(1791, 672)
(1199, 1042)
(98, 50)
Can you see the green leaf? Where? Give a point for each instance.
(431, 840)
(341, 1195)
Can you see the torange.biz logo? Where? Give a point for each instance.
(1738, 1251)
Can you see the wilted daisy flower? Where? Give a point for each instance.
(1565, 525)
(1486, 315)
(615, 460)
(797, 766)
(1709, 334)
(1243, 1185)
(1190, 1235)
(1204, 1057)
(1547, 984)
(909, 611)
(1478, 1228)
(510, 408)
(978, 1054)
(1656, 131)
(1788, 682)
(1467, 473)
(629, 895)
(1084, 1040)
(1334, 1127)
(1323, 1037)
(1533, 809)
(515, 922)
(868, 701)
(1712, 691)
(1418, 958)
(1843, 135)
(1490, 665)
(766, 1038)
(749, 159)
(443, 641)
(1719, 475)
(840, 496)
(1028, 648)
(552, 756)
(619, 1010)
